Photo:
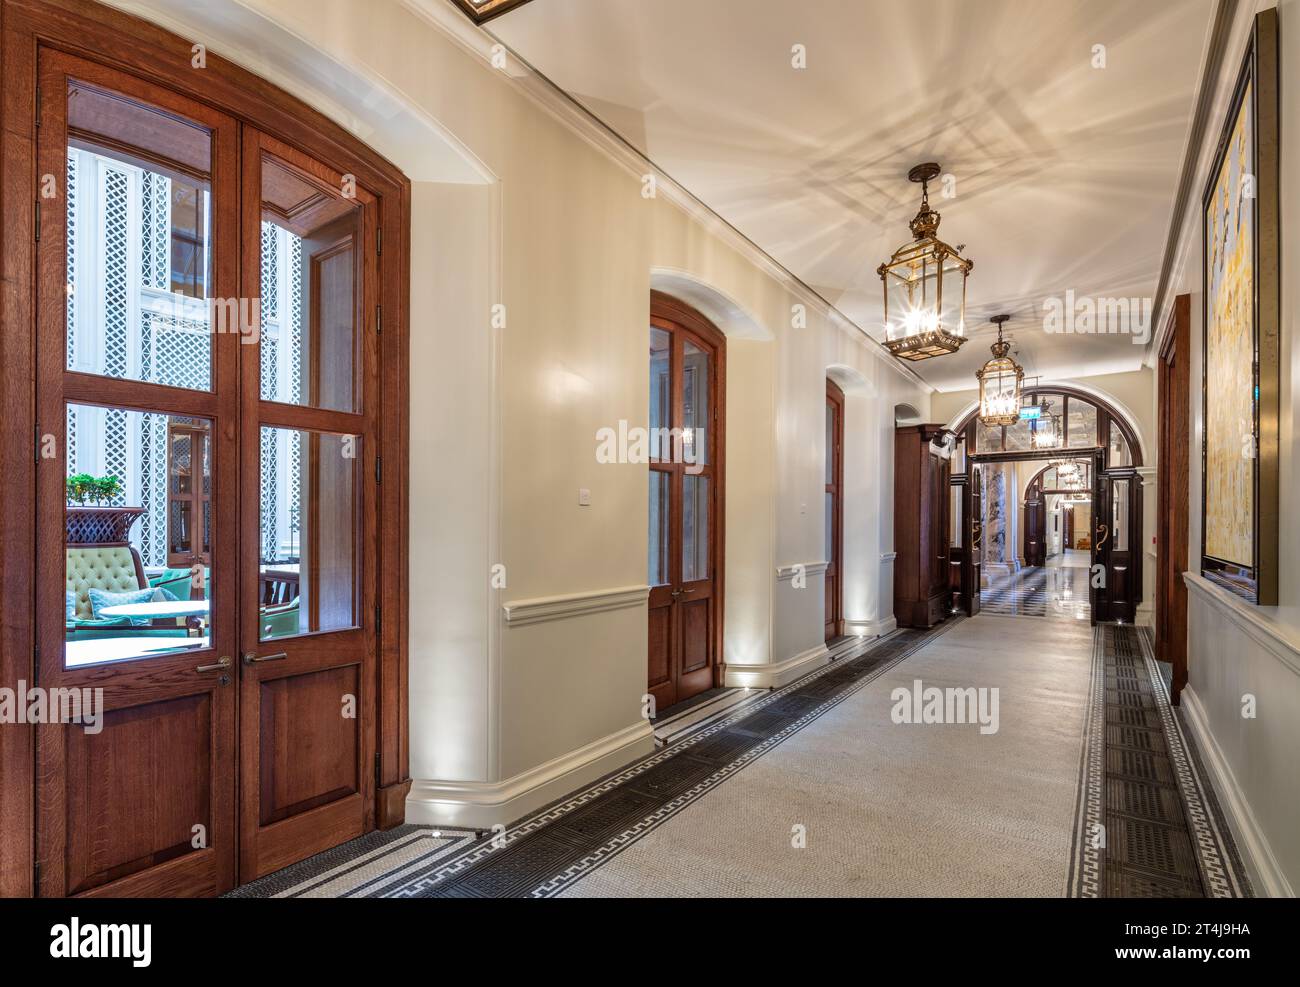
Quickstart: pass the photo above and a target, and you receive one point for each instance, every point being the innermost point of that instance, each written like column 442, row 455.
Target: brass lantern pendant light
column 1047, row 430
column 925, row 286
column 1000, row 380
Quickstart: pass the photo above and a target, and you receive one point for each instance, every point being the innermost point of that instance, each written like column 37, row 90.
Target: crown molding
column 477, row 40
column 1208, row 98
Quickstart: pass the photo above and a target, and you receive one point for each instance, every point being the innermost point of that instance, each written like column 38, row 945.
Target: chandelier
column 925, row 313
column 1047, row 429
column 999, row 382
column 1069, row 476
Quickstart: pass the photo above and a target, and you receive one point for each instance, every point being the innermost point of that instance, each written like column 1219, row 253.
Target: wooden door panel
column 696, row 636
column 660, row 665
column 297, row 837
column 138, row 789
column 309, row 748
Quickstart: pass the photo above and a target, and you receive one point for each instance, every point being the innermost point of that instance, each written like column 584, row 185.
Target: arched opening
column 1027, row 507
column 687, row 419
column 905, row 414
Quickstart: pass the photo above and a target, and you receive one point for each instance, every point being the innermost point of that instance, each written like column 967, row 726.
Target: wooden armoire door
column 1035, row 524
column 684, row 479
column 140, row 798
column 307, row 694
column 834, row 511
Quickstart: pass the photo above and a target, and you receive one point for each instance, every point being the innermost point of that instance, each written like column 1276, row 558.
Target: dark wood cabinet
column 921, row 505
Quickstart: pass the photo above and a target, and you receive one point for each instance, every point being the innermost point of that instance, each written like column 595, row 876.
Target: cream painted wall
column 1236, row 650
column 504, row 421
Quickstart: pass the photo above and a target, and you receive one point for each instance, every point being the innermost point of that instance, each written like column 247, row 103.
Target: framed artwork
column 1241, row 292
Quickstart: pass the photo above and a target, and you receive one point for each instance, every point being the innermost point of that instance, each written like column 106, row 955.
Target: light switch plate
column 584, row 497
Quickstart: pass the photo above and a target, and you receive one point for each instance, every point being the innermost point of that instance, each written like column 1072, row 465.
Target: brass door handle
column 1103, row 533
column 222, row 663
column 250, row 658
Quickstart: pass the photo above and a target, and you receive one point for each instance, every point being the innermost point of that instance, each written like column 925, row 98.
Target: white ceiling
column 1065, row 173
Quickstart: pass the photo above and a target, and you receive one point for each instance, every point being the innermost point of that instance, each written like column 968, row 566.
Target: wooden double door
column 206, row 333
column 687, row 360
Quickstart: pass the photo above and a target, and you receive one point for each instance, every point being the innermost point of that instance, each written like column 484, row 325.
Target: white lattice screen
column 123, row 321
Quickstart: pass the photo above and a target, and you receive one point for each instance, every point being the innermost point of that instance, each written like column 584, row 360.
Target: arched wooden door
column 687, row 370
column 206, row 294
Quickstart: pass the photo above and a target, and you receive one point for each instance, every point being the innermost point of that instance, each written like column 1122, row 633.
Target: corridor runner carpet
column 1148, row 824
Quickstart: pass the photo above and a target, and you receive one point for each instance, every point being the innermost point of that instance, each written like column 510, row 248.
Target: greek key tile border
column 428, row 882
column 1084, row 880
column 1222, row 874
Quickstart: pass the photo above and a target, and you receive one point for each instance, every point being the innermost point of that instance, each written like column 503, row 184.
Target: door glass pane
column 988, row 439
column 1018, row 436
column 661, row 393
column 189, row 491
column 695, row 404
column 310, row 525
column 1119, row 451
column 137, row 534
column 695, row 528
column 1119, row 515
column 659, row 536
column 1083, row 423
column 955, row 518
column 311, row 296
column 830, row 528
column 830, row 443
column 139, row 236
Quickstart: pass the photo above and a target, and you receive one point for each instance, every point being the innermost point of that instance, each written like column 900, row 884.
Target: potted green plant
column 101, row 523
column 79, row 487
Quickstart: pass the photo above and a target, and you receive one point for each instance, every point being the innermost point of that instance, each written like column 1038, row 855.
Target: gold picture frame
column 1241, row 300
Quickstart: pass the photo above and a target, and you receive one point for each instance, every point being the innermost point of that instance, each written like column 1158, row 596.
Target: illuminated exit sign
column 1030, row 412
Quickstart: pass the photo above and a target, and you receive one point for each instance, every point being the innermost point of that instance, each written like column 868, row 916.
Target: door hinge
column 36, row 451
column 378, row 775
column 38, row 107
column 379, row 240
column 378, row 619
column 37, row 216
column 379, row 469
column 36, row 878
column 36, row 664
column 379, row 320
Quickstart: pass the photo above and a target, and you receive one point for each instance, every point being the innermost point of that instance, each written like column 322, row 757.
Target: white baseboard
column 481, row 805
column 776, row 674
column 1265, row 874
column 871, row 628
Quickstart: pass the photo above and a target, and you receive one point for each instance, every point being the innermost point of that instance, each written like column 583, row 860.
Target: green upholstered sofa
column 115, row 569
